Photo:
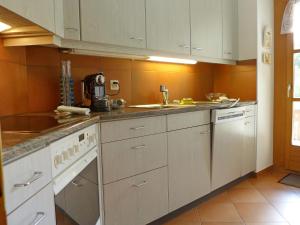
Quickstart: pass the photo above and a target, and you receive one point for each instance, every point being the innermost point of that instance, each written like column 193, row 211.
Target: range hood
column 24, row 32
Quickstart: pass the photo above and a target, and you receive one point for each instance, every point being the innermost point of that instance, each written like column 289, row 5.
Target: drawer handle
column 40, row 216
column 140, row 185
column 198, row 49
column 138, row 147
column 137, row 128
column 137, row 38
column 205, row 132
column 247, row 123
column 35, row 177
column 184, row 46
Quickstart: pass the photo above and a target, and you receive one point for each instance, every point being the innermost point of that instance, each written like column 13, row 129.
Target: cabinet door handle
column 40, row 216
column 136, row 38
column 184, row 46
column 228, row 53
column 71, row 28
column 247, row 123
column 140, row 185
column 137, row 128
column 205, row 132
column 138, row 147
column 198, row 49
column 35, row 177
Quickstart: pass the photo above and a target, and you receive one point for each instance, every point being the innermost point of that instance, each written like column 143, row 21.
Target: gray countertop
column 16, row 146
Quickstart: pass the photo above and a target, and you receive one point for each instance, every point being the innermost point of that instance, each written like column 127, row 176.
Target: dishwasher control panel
column 69, row 149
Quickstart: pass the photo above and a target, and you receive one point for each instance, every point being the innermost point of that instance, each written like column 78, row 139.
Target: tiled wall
column 29, row 78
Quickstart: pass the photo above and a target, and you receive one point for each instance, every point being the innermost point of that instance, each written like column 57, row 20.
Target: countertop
column 18, row 145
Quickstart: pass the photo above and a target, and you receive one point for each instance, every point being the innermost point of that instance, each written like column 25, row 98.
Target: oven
column 76, row 179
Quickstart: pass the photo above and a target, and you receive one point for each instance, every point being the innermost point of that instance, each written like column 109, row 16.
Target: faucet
column 165, row 93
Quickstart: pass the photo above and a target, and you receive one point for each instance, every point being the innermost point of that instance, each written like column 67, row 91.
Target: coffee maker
column 94, row 93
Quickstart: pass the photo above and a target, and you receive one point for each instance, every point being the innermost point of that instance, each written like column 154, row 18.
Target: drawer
column 124, row 129
column 250, row 110
column 189, row 119
column 137, row 200
column 133, row 156
column 25, row 177
column 39, row 210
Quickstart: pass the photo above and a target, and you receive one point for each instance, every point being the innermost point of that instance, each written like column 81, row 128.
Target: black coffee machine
column 94, row 94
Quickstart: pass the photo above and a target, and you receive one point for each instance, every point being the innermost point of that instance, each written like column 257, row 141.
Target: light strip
column 171, row 60
column 4, row 26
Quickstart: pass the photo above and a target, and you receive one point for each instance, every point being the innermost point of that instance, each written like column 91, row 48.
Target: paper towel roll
column 77, row 110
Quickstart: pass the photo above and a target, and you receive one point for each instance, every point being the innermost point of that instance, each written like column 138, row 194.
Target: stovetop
column 34, row 123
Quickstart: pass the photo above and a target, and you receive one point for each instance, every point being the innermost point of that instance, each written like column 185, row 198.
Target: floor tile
column 244, row 184
column 219, row 212
column 258, row 212
column 190, row 217
column 290, row 211
column 220, row 198
column 245, row 195
column 280, row 195
column 282, row 223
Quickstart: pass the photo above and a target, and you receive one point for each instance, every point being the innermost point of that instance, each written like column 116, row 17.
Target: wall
column 13, row 85
column 265, row 90
column 30, row 78
column 236, row 81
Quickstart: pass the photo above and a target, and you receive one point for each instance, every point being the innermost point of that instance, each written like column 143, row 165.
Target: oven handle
column 40, row 216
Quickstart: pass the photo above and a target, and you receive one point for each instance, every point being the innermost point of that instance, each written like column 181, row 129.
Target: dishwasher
column 227, row 145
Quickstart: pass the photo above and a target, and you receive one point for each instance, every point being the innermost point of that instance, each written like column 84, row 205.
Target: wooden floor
column 259, row 200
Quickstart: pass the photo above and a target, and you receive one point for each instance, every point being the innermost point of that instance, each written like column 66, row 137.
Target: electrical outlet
column 114, row 85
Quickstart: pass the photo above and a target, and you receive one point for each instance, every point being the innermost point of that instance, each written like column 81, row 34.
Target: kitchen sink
column 159, row 106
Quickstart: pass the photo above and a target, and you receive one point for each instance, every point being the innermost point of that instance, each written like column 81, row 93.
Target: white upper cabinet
column 247, row 29
column 115, row 22
column 206, row 28
column 71, row 19
column 168, row 26
column 230, row 24
column 40, row 12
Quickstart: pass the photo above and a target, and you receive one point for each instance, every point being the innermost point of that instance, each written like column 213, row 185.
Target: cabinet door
column 189, row 165
column 137, row 200
column 152, row 195
column 249, row 149
column 247, row 29
column 71, row 19
column 116, row 22
column 168, row 25
column 40, row 12
column 37, row 210
column 229, row 29
column 121, row 203
column 206, row 28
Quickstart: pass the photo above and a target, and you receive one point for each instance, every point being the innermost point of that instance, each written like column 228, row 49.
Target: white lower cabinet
column 249, row 148
column 189, row 165
column 37, row 210
column 137, row 200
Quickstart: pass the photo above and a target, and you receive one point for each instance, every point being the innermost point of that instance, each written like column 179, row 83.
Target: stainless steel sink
column 159, row 106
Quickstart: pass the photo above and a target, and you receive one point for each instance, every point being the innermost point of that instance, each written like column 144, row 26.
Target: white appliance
column 227, row 145
column 76, row 180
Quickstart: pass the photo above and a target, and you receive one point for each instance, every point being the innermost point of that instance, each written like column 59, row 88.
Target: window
column 296, row 78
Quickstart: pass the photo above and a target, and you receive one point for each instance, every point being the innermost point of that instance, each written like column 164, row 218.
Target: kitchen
column 167, row 152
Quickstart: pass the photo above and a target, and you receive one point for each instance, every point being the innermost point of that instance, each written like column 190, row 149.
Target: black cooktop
column 34, row 123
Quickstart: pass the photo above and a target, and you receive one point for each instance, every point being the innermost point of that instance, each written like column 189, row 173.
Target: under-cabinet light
column 171, row 60
column 4, row 26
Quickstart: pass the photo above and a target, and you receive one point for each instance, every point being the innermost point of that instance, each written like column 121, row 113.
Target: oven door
column 77, row 201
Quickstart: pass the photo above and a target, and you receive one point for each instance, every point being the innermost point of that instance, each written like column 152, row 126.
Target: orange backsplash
column 29, row 79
